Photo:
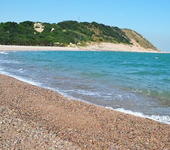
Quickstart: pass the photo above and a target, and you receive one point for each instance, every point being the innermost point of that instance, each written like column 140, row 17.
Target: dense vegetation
column 61, row 34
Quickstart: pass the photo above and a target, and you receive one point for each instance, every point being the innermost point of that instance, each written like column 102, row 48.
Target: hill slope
column 138, row 39
column 67, row 33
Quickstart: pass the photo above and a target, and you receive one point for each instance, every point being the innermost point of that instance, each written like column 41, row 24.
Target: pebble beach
column 32, row 117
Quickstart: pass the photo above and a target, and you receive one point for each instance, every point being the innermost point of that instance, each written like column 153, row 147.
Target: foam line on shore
column 3, row 52
column 162, row 119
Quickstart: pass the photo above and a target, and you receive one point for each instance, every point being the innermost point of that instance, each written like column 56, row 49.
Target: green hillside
column 64, row 33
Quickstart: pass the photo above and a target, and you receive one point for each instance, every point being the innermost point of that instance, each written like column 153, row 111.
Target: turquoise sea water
column 135, row 83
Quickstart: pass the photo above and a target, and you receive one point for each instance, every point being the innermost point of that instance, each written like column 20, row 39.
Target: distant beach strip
column 92, row 47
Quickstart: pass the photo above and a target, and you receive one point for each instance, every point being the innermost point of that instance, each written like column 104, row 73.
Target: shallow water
column 138, row 82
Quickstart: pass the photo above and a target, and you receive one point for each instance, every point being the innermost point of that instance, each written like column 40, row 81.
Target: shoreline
column 93, row 47
column 121, row 110
column 80, row 124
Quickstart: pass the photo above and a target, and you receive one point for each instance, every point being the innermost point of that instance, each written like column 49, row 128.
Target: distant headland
column 72, row 35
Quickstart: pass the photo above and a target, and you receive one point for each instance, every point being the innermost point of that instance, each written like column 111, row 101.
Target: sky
column 150, row 18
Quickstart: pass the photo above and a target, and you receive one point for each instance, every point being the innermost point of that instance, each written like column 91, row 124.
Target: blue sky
column 151, row 18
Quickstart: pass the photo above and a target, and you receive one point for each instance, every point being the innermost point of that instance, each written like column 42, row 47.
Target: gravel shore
column 35, row 118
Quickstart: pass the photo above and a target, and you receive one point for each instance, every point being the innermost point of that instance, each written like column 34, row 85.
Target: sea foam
column 163, row 119
column 5, row 53
column 20, row 78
